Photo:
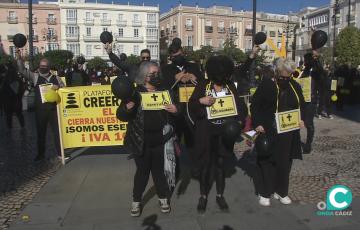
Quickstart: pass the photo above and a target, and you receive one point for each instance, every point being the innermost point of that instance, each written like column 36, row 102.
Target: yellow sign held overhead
column 223, row 107
column 155, row 100
column 288, row 121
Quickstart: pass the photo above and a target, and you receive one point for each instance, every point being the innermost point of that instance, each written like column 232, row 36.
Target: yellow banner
column 87, row 117
column 288, row 121
column 223, row 107
column 155, row 100
column 185, row 93
column 333, row 85
column 305, row 84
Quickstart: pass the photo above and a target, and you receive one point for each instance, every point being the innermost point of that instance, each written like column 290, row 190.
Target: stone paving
column 335, row 159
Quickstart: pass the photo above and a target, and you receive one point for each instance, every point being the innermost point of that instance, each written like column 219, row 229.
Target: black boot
column 220, row 200
column 202, row 204
column 307, row 148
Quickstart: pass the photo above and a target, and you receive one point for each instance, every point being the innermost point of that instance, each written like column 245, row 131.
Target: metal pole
column 30, row 39
column 334, row 35
column 287, row 36
column 349, row 12
column 254, row 23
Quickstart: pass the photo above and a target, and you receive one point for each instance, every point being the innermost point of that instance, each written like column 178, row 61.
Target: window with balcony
column 136, row 20
column 52, row 46
column 51, row 20
column 221, row 43
column 136, row 33
column 105, row 29
column 35, row 50
column 120, row 49
column 74, row 48
column 121, row 32
column 88, row 50
column 12, row 18
column 189, row 24
column 152, row 33
column 221, row 27
column 272, row 33
column 72, row 31
column 88, row 31
column 151, row 18
column 120, row 20
column 88, row 19
column 208, row 42
column 154, row 50
column 51, row 34
column 71, row 16
column 136, row 50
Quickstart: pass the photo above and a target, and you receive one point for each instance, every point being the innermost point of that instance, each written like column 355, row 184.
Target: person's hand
column 17, row 53
column 302, row 124
column 256, row 49
column 108, row 48
column 180, row 75
column 260, row 129
column 208, row 101
column 130, row 105
column 191, row 77
column 171, row 108
column 315, row 54
column 55, row 87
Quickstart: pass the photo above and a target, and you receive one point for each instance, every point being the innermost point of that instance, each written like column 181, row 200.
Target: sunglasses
column 145, row 58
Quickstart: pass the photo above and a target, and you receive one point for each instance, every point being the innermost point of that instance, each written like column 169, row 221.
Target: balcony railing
column 12, row 20
column 35, row 38
column 71, row 21
column 248, row 32
column 89, row 21
column 105, row 22
column 152, row 38
column 189, row 27
column 34, row 20
column 162, row 33
column 10, row 38
column 89, row 38
column 72, row 37
column 51, row 21
column 129, row 39
column 208, row 29
column 221, row 30
column 51, row 38
column 121, row 23
column 174, row 29
column 233, row 30
column 151, row 24
column 136, row 23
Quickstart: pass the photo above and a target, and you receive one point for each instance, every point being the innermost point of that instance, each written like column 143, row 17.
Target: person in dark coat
column 77, row 77
column 181, row 73
column 279, row 94
column 211, row 148
column 144, row 138
column 128, row 68
column 13, row 91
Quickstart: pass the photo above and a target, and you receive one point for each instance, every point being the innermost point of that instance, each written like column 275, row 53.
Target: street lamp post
column 336, row 8
column 31, row 51
column 254, row 23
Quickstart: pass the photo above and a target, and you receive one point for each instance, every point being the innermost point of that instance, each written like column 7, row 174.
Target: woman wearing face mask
column 45, row 113
column 144, row 139
column 271, row 97
column 211, row 148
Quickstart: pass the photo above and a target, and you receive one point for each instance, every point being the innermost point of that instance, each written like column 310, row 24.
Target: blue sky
column 271, row 6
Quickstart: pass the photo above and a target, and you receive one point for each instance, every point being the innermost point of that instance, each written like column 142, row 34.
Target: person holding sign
column 277, row 109
column 45, row 112
column 212, row 105
column 148, row 111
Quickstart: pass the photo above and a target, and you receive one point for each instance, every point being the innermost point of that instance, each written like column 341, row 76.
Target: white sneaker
column 264, row 201
column 164, row 205
column 283, row 200
column 135, row 209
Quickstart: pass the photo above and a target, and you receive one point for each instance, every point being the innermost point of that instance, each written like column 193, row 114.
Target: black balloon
column 318, row 39
column 260, row 38
column 231, row 130
column 80, row 60
column 122, row 88
column 19, row 40
column 177, row 42
column 262, row 145
column 106, row 37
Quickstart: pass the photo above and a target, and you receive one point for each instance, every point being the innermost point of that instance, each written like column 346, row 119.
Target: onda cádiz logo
column 338, row 200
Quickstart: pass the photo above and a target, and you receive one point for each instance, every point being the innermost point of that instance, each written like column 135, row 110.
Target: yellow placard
column 155, row 100
column 305, row 84
column 87, row 117
column 185, row 93
column 223, row 107
column 288, row 121
column 333, row 85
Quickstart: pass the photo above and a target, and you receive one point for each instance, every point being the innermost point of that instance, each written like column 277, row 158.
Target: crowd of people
column 153, row 135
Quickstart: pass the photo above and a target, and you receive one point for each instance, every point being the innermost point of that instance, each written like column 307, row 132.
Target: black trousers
column 275, row 171
column 310, row 111
column 217, row 158
column 152, row 161
column 11, row 107
column 183, row 129
column 43, row 119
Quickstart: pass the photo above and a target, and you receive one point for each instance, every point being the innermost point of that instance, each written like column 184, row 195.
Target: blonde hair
column 285, row 64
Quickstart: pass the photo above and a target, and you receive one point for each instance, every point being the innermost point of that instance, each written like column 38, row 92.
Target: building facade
column 198, row 27
column 46, row 26
column 133, row 27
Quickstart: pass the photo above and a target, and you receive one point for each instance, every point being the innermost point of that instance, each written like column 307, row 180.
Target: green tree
column 348, row 46
column 59, row 59
column 97, row 63
column 133, row 59
column 231, row 50
column 6, row 59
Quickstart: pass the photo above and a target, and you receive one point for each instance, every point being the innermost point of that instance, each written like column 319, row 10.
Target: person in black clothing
column 130, row 69
column 144, row 139
column 313, row 68
column 181, row 74
column 277, row 95
column 13, row 91
column 45, row 113
column 77, row 77
column 211, row 148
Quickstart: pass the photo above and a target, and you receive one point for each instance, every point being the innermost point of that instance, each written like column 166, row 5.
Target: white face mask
column 98, row 74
